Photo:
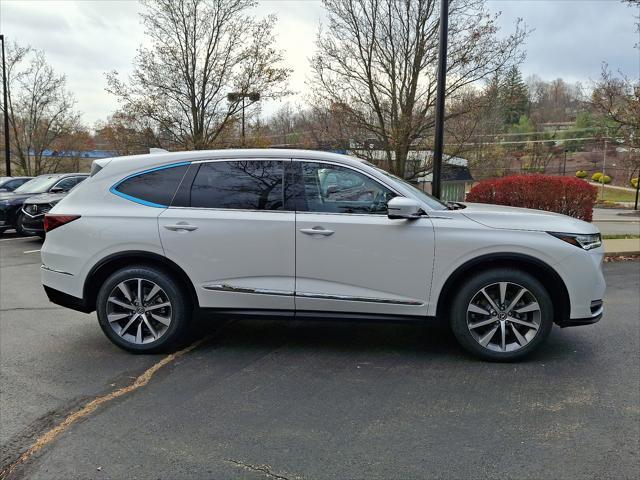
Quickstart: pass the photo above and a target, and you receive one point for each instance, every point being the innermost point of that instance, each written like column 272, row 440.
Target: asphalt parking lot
column 315, row 400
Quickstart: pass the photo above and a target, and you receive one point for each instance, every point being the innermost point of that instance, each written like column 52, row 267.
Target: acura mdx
column 147, row 240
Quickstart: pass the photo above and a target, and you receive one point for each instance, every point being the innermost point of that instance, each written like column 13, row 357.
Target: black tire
column 19, row 227
column 468, row 291
column 181, row 309
column 42, row 235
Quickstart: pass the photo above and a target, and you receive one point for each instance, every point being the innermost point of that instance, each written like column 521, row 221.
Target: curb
column 622, row 254
column 633, row 220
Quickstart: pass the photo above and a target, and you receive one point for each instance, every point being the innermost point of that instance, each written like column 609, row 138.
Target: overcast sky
column 84, row 39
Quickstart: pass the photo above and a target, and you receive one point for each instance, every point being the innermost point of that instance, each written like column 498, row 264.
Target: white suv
column 148, row 239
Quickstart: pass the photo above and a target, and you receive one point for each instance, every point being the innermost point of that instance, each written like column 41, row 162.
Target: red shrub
column 567, row 195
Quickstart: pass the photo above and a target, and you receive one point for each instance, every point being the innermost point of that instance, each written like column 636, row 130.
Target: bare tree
column 616, row 99
column 41, row 111
column 128, row 134
column 378, row 60
column 200, row 50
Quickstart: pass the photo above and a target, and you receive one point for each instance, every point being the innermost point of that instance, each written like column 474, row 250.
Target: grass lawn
column 616, row 195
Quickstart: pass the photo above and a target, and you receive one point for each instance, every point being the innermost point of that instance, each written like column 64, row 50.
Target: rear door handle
column 181, row 226
column 317, row 231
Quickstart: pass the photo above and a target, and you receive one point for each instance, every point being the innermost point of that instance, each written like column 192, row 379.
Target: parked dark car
column 11, row 202
column 31, row 219
column 9, row 184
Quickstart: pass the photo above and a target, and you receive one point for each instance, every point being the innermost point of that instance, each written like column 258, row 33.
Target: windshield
column 39, row 184
column 433, row 202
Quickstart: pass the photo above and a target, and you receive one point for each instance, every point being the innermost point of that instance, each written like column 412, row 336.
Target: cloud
column 85, row 39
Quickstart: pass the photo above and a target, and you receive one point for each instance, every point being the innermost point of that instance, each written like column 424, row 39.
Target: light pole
column 235, row 96
column 604, row 166
column 635, row 206
column 7, row 150
column 438, row 142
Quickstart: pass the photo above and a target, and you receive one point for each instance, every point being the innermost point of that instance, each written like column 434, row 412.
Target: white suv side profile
column 149, row 239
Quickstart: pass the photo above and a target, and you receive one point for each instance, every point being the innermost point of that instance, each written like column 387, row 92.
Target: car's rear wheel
column 502, row 314
column 143, row 310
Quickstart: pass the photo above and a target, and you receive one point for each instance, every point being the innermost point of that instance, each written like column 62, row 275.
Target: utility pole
column 5, row 109
column 441, row 84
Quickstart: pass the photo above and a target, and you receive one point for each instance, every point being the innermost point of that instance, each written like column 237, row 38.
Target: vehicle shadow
column 428, row 340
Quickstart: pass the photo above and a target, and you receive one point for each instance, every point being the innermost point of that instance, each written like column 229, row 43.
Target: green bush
column 581, row 174
column 596, row 176
column 605, row 179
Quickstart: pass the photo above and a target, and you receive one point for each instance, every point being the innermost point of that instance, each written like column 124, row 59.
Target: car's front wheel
column 502, row 314
column 20, row 225
column 143, row 310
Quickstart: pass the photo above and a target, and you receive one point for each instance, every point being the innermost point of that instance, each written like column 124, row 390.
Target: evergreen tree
column 514, row 96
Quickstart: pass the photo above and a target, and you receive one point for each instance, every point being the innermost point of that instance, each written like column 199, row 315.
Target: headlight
column 586, row 242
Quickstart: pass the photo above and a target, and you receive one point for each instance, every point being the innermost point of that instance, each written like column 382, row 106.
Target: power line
column 475, row 144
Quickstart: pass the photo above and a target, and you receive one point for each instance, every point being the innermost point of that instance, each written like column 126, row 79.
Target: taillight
column 51, row 220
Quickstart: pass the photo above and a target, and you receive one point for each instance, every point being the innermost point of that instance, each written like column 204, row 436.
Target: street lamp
column 7, row 151
column 233, row 97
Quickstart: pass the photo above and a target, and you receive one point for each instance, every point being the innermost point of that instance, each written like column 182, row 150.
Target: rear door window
column 154, row 188
column 239, row 185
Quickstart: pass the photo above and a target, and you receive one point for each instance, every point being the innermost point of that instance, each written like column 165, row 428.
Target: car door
column 350, row 257
column 228, row 229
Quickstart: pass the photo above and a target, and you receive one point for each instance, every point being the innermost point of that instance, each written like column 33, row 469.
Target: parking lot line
column 17, row 238
column 91, row 406
column 32, row 251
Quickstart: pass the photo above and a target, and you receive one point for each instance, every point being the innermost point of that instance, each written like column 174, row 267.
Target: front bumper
column 32, row 223
column 597, row 309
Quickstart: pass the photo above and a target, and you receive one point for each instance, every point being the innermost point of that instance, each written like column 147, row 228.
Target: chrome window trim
column 294, row 159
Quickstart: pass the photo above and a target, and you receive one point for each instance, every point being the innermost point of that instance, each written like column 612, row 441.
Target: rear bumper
column 66, row 300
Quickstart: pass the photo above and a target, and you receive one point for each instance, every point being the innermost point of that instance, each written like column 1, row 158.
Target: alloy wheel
column 139, row 311
column 503, row 317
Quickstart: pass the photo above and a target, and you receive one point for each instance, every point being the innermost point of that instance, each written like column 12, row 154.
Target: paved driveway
column 314, row 400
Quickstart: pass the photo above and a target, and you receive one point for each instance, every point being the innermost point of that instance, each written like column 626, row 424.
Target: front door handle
column 181, row 226
column 317, row 231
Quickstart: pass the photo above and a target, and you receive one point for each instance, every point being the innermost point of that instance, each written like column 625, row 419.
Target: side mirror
column 402, row 207
column 57, row 190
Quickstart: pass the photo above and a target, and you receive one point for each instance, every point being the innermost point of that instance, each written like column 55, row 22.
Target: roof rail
column 158, row 150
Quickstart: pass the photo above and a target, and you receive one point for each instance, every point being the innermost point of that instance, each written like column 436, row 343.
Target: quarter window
column 246, row 185
column 334, row 189
column 155, row 187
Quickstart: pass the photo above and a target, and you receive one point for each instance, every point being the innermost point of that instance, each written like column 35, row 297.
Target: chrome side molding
column 224, row 287
column 49, row 269
column 351, row 298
